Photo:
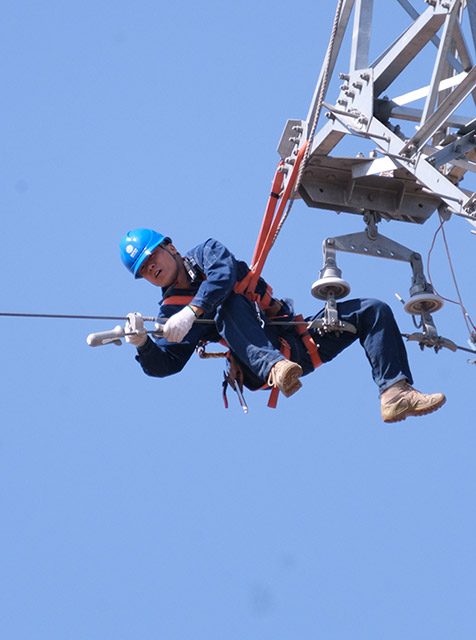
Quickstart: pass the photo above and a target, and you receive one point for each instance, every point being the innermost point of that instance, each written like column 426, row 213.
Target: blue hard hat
column 137, row 245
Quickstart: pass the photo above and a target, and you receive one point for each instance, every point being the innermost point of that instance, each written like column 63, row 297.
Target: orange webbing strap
column 273, row 396
column 265, row 243
column 264, row 301
column 308, row 342
column 183, row 300
column 269, row 211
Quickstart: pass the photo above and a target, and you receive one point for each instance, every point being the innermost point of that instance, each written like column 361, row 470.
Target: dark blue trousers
column 257, row 347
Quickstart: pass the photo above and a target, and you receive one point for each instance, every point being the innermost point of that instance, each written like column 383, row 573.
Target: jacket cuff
column 147, row 347
column 199, row 302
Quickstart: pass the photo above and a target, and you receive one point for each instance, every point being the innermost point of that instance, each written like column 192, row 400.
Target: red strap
column 223, row 393
column 308, row 342
column 269, row 211
column 269, row 226
column 242, row 285
column 273, row 396
column 264, row 301
column 265, row 241
column 183, row 300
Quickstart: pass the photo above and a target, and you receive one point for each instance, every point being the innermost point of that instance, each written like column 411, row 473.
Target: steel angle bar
column 467, row 165
column 471, row 6
column 460, row 41
column 413, row 13
column 470, row 126
column 462, row 47
column 373, row 168
column 437, row 184
column 327, row 138
column 444, row 110
column 453, row 150
column 341, row 29
column 430, row 192
column 359, row 55
column 422, row 92
column 405, row 48
column 440, row 62
column 425, row 174
column 414, row 115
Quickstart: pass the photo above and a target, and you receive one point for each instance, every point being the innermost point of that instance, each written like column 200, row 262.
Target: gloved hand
column 178, row 325
column 135, row 327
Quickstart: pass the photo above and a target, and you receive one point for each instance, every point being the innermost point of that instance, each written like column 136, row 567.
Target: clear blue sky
column 135, row 508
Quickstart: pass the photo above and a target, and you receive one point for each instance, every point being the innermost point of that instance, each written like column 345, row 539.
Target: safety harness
column 265, row 302
column 256, row 289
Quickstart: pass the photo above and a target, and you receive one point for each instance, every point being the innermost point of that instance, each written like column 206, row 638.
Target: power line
column 61, row 316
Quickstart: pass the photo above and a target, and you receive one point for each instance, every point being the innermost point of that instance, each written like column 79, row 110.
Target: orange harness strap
column 269, row 228
column 273, row 396
column 308, row 343
column 264, row 301
column 269, row 211
column 286, row 351
column 178, row 300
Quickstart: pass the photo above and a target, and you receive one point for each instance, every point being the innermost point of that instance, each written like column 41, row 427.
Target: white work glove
column 135, row 327
column 178, row 325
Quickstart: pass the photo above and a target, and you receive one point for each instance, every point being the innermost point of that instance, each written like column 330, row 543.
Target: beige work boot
column 285, row 375
column 401, row 400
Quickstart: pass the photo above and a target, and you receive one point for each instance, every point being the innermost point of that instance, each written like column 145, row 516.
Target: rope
column 469, row 323
column 320, row 100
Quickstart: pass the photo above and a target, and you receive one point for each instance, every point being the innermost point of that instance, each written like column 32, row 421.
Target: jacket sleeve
column 161, row 358
column 220, row 268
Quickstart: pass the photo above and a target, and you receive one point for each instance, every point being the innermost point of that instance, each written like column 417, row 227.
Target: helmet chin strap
column 177, row 265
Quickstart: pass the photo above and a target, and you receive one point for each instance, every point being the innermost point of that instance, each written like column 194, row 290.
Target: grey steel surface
column 359, row 57
column 423, row 168
column 398, row 174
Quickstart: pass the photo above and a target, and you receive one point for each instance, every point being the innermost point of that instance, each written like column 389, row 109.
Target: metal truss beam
column 404, row 176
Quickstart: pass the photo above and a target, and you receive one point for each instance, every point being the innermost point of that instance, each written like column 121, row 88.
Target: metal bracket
column 422, row 300
column 432, row 341
column 371, row 243
column 291, row 141
column 330, row 322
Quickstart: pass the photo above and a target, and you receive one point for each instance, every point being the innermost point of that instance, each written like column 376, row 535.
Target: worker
column 207, row 283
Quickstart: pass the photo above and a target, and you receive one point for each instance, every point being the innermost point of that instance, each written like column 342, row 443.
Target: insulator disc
column 339, row 287
column 420, row 302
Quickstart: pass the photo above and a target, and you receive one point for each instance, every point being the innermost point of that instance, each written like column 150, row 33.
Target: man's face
column 160, row 268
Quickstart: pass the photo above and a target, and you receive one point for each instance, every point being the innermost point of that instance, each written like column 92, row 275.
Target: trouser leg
column 237, row 322
column 379, row 335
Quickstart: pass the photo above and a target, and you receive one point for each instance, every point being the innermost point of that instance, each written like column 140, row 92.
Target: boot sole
column 292, row 387
column 422, row 412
